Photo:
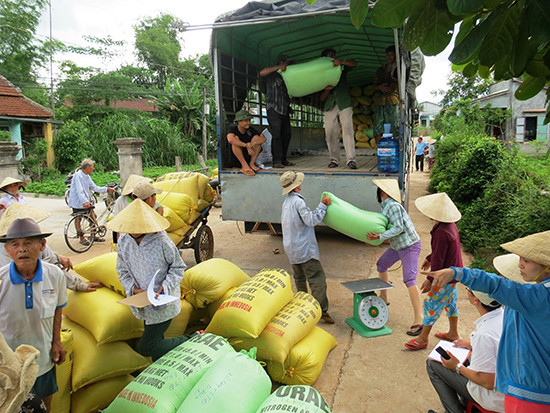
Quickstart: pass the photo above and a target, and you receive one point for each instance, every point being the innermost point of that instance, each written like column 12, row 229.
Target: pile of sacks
column 184, row 196
column 361, row 98
column 205, row 374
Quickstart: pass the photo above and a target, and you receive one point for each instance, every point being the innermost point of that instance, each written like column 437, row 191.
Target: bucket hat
column 508, row 266
column 138, row 218
column 290, row 180
column 132, row 181
column 8, row 181
column 144, row 190
column 242, row 114
column 390, row 187
column 16, row 211
column 533, row 247
column 438, row 207
column 23, row 228
column 485, row 299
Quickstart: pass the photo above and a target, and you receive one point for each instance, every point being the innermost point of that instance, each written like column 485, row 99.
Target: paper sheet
column 460, row 353
column 162, row 299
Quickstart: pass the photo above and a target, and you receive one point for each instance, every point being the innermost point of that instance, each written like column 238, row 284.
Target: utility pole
column 52, row 100
column 205, row 111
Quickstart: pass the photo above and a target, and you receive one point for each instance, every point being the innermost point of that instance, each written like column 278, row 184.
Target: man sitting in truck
column 246, row 143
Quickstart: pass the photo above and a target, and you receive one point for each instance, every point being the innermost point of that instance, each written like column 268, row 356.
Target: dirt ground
column 360, row 374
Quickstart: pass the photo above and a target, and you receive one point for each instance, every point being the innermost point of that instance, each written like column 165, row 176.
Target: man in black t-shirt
column 246, row 143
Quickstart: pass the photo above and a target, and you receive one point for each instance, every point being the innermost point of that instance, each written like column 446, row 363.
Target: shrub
column 71, row 144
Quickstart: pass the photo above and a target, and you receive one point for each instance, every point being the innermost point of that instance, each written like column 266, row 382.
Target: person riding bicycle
column 79, row 196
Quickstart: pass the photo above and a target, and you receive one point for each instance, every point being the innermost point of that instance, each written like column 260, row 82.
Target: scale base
column 365, row 331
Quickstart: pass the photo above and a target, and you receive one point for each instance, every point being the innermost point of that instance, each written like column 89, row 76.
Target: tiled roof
column 13, row 103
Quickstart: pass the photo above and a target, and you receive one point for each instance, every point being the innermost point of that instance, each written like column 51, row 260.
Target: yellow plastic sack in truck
column 101, row 269
column 174, row 219
column 305, row 361
column 288, row 327
column 206, row 282
column 252, row 305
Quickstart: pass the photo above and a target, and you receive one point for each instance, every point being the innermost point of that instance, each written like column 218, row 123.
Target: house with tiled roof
column 24, row 118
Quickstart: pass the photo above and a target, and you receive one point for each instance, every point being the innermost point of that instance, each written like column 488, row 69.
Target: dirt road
column 374, row 375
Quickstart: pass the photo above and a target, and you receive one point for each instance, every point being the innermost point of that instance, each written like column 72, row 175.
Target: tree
column 460, row 87
column 505, row 38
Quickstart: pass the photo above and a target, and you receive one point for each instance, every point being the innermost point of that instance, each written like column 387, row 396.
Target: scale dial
column 373, row 312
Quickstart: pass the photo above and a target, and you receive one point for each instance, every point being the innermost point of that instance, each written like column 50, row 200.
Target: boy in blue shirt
column 419, row 148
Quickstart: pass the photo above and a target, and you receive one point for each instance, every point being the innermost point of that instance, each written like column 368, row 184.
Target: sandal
column 415, row 330
column 248, row 172
column 443, row 336
column 333, row 165
column 415, row 345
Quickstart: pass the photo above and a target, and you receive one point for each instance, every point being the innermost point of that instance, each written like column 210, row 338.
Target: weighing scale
column 370, row 312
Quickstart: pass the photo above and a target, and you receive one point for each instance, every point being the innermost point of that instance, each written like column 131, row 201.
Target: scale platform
column 370, row 312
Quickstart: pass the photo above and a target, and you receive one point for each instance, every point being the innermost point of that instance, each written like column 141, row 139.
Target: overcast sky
column 72, row 19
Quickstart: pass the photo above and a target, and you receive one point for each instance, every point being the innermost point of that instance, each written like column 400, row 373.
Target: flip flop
column 443, row 336
column 415, row 330
column 415, row 345
column 248, row 172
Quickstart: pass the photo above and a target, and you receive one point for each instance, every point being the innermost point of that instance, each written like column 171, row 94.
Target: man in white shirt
column 32, row 295
column 455, row 383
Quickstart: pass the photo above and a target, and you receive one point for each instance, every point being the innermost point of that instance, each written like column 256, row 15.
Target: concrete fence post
column 129, row 157
column 8, row 160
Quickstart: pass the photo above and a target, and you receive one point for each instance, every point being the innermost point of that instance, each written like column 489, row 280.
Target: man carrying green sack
column 298, row 222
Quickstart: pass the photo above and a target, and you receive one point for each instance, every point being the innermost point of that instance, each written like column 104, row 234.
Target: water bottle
column 388, row 152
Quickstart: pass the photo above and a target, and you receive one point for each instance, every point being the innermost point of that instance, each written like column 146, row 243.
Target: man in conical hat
column 10, row 188
column 523, row 360
column 445, row 243
column 404, row 246
column 142, row 249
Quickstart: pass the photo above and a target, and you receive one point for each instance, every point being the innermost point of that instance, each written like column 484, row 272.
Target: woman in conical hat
column 144, row 249
column 445, row 244
column 523, row 362
column 10, row 187
column 404, row 246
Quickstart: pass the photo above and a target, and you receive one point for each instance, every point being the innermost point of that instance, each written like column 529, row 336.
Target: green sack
column 236, row 383
column 352, row 221
column 295, row 399
column 305, row 78
column 163, row 385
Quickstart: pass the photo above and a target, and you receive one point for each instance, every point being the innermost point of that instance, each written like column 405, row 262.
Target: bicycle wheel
column 72, row 236
column 67, row 196
column 204, row 244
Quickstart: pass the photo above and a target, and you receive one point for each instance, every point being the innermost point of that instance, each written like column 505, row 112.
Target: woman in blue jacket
column 523, row 361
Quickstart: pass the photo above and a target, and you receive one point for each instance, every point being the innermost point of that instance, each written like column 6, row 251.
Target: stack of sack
column 263, row 313
column 184, row 195
column 361, row 98
column 205, row 374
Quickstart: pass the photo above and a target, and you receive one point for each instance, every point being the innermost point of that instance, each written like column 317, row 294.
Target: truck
column 248, row 39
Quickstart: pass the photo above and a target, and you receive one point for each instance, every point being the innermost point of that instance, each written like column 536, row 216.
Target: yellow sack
column 213, row 306
column 101, row 314
column 176, row 238
column 356, row 120
column 253, row 305
column 357, row 110
column 305, row 361
column 208, row 281
column 356, row 91
column 288, row 327
column 354, row 101
column 360, row 144
column 179, row 323
column 365, row 100
column 203, row 204
column 182, row 204
column 99, row 395
column 194, row 216
column 61, row 401
column 362, row 127
column 203, row 180
column 93, row 362
column 174, row 219
column 188, row 186
column 101, row 269
column 361, row 137
column 369, row 90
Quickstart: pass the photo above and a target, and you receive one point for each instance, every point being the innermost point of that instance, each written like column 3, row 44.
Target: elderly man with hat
column 457, row 384
column 298, row 222
column 523, row 362
column 11, row 186
column 404, row 246
column 246, row 143
column 277, row 102
column 32, row 294
column 445, row 243
column 144, row 249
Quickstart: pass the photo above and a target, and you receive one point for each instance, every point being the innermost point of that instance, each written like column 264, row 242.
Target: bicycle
column 90, row 228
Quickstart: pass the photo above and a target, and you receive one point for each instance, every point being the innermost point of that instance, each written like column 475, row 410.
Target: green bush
column 5, row 136
column 71, row 144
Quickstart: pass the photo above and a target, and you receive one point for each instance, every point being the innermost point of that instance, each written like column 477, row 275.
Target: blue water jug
column 388, row 152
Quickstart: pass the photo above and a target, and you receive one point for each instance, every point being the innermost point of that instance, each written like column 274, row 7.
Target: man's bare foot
column 254, row 167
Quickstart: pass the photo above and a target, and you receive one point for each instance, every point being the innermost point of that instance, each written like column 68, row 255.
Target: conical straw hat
column 438, row 207
column 390, row 187
column 131, row 183
column 16, row 211
column 532, row 247
column 8, row 181
column 138, row 218
column 508, row 266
